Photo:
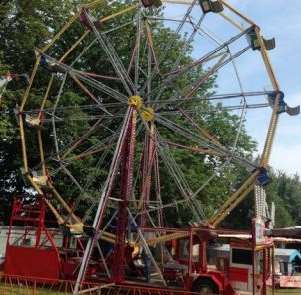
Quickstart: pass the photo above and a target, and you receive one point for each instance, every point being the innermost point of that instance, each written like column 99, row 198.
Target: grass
column 287, row 291
column 23, row 290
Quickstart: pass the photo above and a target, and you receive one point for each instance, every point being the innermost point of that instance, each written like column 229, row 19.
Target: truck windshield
column 242, row 256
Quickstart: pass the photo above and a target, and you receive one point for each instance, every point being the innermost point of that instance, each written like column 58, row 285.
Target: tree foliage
column 26, row 25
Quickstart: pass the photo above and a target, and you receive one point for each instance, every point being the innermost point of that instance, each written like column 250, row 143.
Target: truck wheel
column 204, row 286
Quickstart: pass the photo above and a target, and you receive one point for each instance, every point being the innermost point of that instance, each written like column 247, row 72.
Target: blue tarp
column 287, row 255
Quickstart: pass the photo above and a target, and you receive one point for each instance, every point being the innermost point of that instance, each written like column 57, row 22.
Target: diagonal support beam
column 235, row 199
column 102, row 205
column 126, row 183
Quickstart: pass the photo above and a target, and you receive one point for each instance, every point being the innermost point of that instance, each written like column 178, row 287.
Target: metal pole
column 264, row 271
column 103, row 200
column 127, row 166
column 273, row 270
column 146, row 248
column 190, row 253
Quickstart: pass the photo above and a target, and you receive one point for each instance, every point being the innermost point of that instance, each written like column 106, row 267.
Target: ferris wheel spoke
column 82, row 107
column 104, row 88
column 174, row 112
column 215, row 97
column 239, row 95
column 83, row 193
column 190, row 38
column 168, row 19
column 170, row 80
column 198, row 150
column 137, row 46
column 71, row 146
column 243, row 104
column 56, row 145
column 135, row 182
column 196, row 27
column 79, row 75
column 208, row 56
column 201, row 130
column 176, row 203
column 208, row 181
column 89, row 152
column 91, row 95
column 70, row 160
column 187, row 201
column 184, row 47
column 175, row 74
column 185, row 17
column 103, row 77
column 102, row 142
column 94, row 201
column 78, row 141
column 192, row 90
column 181, row 130
column 219, row 52
column 170, row 44
column 179, row 27
column 114, row 58
column 94, row 41
column 158, row 188
column 178, row 176
column 203, row 141
column 212, row 138
column 67, row 147
column 222, row 62
column 152, row 53
column 84, row 118
column 217, row 109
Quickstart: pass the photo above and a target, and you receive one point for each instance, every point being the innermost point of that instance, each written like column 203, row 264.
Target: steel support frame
column 271, row 129
column 147, row 165
column 106, row 192
column 127, row 166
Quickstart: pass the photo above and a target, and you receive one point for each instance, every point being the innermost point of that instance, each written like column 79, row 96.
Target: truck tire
column 204, row 286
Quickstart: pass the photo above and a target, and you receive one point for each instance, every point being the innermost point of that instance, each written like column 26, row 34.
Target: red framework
column 33, row 246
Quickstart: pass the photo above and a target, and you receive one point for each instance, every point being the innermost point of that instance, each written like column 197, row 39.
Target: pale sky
column 280, row 19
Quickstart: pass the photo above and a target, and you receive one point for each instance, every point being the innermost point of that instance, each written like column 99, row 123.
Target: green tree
column 28, row 25
column 285, row 192
column 24, row 26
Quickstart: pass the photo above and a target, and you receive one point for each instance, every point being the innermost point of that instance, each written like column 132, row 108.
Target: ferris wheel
column 127, row 133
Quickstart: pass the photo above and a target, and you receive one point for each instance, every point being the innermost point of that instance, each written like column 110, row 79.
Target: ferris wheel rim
column 124, row 101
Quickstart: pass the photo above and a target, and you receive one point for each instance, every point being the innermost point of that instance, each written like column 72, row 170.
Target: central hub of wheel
column 147, row 113
column 135, row 101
